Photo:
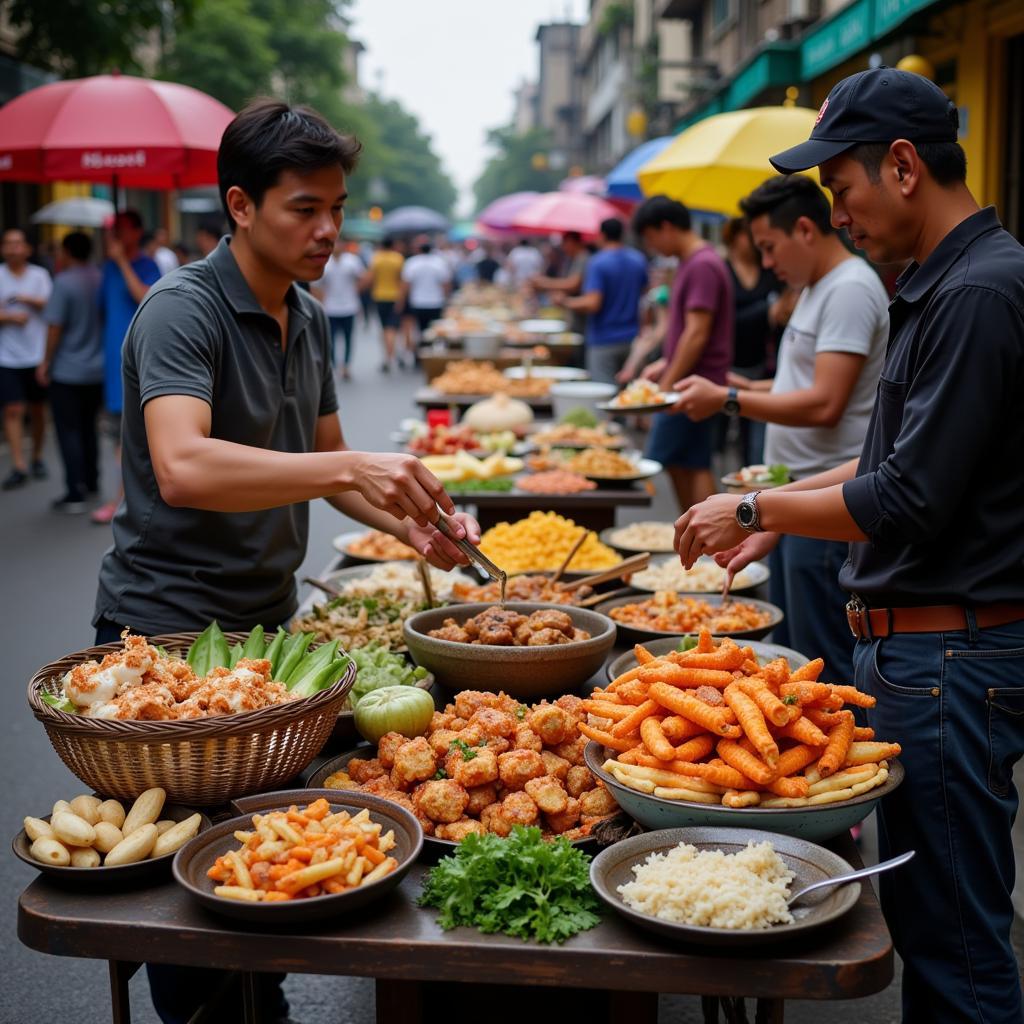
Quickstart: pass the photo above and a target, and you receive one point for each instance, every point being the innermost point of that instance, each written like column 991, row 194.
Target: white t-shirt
column 166, row 259
column 524, row 262
column 426, row 274
column 23, row 345
column 846, row 311
column 340, row 284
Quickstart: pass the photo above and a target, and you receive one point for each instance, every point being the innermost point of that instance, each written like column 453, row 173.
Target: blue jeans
column 955, row 703
column 805, row 585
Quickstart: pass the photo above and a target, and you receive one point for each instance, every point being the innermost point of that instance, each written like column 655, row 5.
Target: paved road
column 48, row 586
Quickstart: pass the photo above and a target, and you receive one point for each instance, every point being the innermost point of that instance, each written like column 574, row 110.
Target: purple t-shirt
column 703, row 282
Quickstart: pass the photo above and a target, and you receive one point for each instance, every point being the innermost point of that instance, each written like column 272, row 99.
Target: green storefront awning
column 837, row 39
column 890, row 13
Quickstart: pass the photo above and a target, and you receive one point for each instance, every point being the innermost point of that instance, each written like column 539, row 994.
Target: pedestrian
column 523, row 262
column 613, row 287
column 487, row 266
column 386, row 291
column 24, row 289
column 231, row 428
column 72, row 369
column 163, row 255
column 425, row 283
column 762, row 308
column 338, row 290
column 698, row 339
column 569, row 281
column 818, row 406
column 934, row 511
column 128, row 274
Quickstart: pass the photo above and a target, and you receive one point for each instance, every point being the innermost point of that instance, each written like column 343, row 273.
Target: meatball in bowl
column 522, row 648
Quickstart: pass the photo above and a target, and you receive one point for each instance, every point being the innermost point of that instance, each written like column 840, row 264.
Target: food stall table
column 594, row 510
column 434, row 362
column 430, row 398
column 402, row 947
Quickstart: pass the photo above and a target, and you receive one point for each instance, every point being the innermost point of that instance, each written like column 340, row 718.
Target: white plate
column 645, row 469
column 543, row 326
column 757, row 573
column 547, row 373
column 668, row 400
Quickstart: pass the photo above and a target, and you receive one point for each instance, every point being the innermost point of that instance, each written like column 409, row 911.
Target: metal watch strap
column 749, row 500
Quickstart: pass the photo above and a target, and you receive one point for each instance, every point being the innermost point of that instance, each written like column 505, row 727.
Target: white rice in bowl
column 744, row 890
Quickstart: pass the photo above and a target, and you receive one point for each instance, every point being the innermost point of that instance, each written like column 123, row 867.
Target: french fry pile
column 295, row 854
column 710, row 725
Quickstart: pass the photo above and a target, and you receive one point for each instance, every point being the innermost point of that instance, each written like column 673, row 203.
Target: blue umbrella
column 412, row 220
column 622, row 182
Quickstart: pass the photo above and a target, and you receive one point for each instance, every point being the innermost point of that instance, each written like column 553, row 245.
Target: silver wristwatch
column 747, row 514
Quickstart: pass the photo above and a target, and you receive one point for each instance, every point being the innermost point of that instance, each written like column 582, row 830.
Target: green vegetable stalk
column 327, row 676
column 273, row 652
column 310, row 664
column 234, row 654
column 60, row 703
column 523, row 886
column 209, row 651
column 255, row 645
column 294, row 648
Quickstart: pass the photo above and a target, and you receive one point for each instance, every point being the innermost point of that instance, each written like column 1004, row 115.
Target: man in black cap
column 934, row 511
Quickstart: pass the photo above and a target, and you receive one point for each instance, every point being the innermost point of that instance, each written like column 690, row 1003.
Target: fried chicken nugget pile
column 488, row 763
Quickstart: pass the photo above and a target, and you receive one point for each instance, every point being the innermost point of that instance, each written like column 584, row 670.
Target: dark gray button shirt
column 939, row 489
column 200, row 332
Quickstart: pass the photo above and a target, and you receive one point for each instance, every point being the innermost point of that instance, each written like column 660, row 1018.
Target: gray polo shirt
column 200, row 331
column 72, row 306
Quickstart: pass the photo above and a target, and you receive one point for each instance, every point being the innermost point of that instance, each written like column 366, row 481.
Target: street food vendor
column 934, row 511
column 231, row 424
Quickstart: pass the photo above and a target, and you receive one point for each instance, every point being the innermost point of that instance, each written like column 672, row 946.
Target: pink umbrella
column 558, row 212
column 499, row 214
column 134, row 131
column 589, row 184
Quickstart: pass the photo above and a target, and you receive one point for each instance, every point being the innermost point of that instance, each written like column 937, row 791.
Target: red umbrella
column 558, row 212
column 591, row 184
column 131, row 131
column 499, row 214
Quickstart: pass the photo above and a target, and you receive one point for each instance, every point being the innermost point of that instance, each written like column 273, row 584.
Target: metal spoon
column 885, row 865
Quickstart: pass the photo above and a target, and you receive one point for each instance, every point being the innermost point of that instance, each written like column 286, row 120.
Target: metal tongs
column 471, row 551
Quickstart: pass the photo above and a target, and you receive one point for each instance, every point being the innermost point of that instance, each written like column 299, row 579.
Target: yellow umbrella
column 717, row 161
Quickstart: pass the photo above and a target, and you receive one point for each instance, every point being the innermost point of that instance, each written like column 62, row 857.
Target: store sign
column 889, row 13
column 838, row 39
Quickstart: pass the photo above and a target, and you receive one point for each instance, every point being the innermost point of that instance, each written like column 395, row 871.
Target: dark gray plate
column 765, row 653
column 124, row 873
column 639, row 635
column 194, row 859
column 808, row 862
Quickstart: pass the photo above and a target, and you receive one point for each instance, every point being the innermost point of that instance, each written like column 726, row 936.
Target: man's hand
column 699, row 397
column 653, row 371
column 401, row 486
column 114, row 249
column 626, row 374
column 437, row 549
column 43, row 375
column 708, row 528
column 737, row 380
column 753, row 549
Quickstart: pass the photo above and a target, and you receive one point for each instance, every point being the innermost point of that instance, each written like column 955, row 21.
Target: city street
column 48, row 583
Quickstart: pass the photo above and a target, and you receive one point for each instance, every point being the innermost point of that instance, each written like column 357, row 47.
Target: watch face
column 731, row 407
column 745, row 513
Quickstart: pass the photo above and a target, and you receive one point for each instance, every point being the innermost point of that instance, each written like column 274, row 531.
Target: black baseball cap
column 879, row 105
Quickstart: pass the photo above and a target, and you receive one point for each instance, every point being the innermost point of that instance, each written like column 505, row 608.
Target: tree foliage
column 89, row 37
column 400, row 156
column 511, row 167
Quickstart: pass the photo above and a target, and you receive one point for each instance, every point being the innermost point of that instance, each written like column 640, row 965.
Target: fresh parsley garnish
column 521, row 712
column 522, row 886
column 791, row 699
column 440, row 774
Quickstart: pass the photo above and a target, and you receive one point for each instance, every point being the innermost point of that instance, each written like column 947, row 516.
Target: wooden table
column 594, row 510
column 401, row 946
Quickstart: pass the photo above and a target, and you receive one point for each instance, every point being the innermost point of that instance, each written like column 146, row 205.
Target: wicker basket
column 200, row 762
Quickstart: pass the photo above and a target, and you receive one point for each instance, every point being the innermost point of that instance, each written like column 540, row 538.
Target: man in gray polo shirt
column 231, row 426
